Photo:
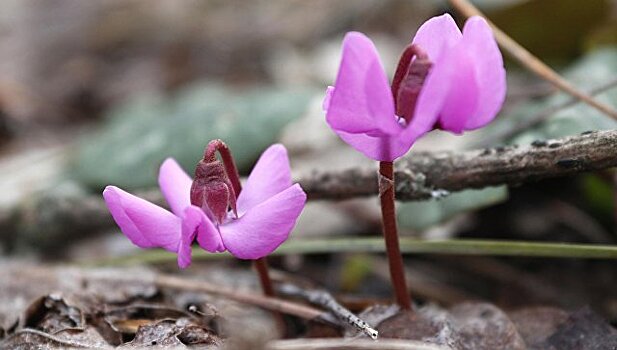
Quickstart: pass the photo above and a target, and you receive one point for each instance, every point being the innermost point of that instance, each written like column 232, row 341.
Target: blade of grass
column 408, row 245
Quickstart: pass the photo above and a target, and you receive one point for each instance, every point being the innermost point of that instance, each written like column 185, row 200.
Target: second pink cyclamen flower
column 461, row 88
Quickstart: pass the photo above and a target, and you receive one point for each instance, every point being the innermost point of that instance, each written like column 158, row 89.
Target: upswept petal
column 380, row 148
column 362, row 101
column 263, row 228
column 196, row 224
column 147, row 225
column 175, row 185
column 490, row 74
column 190, row 222
column 437, row 34
column 462, row 94
column 384, row 148
column 270, row 176
column 432, row 96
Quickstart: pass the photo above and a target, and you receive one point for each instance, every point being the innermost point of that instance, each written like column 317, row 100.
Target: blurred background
column 101, row 92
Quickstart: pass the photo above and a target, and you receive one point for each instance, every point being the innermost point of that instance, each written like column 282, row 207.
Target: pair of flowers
column 446, row 79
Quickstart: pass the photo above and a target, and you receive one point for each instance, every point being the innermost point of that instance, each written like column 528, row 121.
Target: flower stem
column 228, row 162
column 388, row 217
column 261, row 264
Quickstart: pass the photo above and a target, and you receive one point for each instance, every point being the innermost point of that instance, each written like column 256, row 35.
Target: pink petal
column 450, row 93
column 196, row 223
column 462, row 95
column 437, row 34
column 380, row 148
column 175, row 185
column 270, row 176
column 432, row 96
column 208, row 237
column 490, row 75
column 362, row 101
column 147, row 225
column 190, row 222
column 263, row 228
column 384, row 148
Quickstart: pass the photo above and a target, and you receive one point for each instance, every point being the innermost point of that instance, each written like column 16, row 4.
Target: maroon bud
column 212, row 191
column 409, row 79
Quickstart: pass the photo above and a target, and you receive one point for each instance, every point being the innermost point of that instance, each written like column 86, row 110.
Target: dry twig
column 269, row 303
column 531, row 62
column 418, row 176
column 327, row 301
column 427, row 175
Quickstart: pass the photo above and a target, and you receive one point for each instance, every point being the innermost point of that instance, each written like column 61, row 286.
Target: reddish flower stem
column 261, row 264
column 388, row 217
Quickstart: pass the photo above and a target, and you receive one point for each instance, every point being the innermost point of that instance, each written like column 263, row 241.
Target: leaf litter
column 125, row 309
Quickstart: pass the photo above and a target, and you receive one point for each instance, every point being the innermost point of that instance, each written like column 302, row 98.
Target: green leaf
column 599, row 195
column 422, row 215
column 142, row 133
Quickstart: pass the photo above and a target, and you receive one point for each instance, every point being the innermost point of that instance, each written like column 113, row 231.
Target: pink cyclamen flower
column 446, row 79
column 267, row 210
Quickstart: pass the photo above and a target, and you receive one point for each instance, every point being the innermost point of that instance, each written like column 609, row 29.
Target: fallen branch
column 428, row 175
column 327, row 301
column 257, row 299
column 419, row 176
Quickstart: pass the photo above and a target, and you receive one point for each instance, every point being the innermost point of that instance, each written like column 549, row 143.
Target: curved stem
column 261, row 265
column 388, row 217
column 228, row 162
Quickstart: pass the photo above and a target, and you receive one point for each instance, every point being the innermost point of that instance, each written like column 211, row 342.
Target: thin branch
column 418, row 176
column 269, row 303
column 327, row 301
column 531, row 62
column 429, row 175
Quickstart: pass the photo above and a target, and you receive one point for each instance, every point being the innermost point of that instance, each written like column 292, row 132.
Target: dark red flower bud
column 409, row 79
column 212, row 189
